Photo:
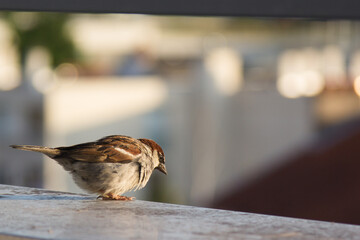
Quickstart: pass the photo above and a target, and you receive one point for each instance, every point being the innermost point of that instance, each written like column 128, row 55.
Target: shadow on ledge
column 46, row 197
column 8, row 192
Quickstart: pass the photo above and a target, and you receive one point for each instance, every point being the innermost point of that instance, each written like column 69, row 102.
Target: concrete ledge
column 28, row 213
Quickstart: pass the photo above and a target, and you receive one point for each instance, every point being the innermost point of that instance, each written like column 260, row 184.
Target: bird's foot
column 116, row 197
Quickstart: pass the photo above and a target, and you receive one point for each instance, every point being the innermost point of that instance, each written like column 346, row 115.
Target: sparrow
column 109, row 166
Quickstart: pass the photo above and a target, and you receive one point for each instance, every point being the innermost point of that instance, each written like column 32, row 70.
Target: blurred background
column 256, row 115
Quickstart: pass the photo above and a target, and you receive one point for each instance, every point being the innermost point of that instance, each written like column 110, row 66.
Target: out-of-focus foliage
column 42, row 29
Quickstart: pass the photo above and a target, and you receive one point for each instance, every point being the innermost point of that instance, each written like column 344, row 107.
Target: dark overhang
column 320, row 9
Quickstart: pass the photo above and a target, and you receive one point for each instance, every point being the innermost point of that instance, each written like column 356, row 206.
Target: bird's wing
column 121, row 149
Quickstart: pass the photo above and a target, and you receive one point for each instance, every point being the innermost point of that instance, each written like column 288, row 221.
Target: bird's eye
column 161, row 159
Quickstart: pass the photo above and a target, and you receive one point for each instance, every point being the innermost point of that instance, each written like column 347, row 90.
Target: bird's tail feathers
column 51, row 152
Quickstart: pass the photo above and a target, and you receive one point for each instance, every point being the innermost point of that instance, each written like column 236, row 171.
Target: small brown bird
column 109, row 166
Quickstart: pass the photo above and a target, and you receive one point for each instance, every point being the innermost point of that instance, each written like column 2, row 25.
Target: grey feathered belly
column 105, row 178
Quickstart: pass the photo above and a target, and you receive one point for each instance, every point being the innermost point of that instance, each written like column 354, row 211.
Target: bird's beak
column 162, row 168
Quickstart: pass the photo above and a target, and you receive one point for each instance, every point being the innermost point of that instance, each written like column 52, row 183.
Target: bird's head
column 158, row 154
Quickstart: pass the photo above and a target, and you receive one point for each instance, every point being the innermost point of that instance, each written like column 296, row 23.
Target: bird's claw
column 116, row 197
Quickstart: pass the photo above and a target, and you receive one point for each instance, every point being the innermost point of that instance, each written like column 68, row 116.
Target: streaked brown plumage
column 109, row 166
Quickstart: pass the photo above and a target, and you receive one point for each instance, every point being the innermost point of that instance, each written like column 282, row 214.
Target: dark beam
column 321, row 9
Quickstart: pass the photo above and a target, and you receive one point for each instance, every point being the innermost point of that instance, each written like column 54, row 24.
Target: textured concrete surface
column 40, row 214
